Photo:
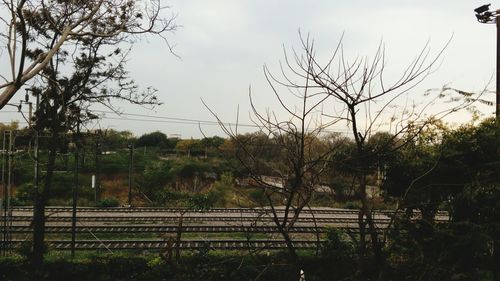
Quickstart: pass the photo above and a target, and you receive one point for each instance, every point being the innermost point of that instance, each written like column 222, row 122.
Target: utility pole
column 130, row 171
column 75, row 188
column 9, row 191
column 5, row 195
column 4, row 199
column 96, row 164
column 6, row 183
column 37, row 160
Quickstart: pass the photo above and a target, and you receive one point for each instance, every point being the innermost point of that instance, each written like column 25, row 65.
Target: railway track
column 314, row 210
column 128, row 223
column 181, row 210
column 218, row 244
column 174, row 229
column 176, row 219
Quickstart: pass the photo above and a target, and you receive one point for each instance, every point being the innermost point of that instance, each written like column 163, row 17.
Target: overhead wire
column 167, row 120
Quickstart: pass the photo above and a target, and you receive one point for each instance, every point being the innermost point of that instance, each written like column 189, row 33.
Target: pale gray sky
column 223, row 45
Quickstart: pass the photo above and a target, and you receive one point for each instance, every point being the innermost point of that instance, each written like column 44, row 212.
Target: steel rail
column 216, row 244
column 190, row 219
column 315, row 210
column 179, row 210
column 174, row 229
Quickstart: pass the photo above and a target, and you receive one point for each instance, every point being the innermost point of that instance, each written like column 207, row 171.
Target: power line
column 170, row 120
column 164, row 119
column 177, row 120
column 174, row 120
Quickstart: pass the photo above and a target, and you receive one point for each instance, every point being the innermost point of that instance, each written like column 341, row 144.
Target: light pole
column 484, row 15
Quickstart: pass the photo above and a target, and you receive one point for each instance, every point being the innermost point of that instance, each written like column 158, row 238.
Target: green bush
column 24, row 195
column 258, row 196
column 203, row 201
column 351, row 205
column 337, row 246
column 108, row 202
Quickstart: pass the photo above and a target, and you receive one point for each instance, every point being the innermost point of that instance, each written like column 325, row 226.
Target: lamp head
column 482, row 18
column 482, row 9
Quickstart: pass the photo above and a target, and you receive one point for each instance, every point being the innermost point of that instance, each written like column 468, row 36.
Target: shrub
column 258, row 196
column 108, row 202
column 337, row 246
column 202, row 201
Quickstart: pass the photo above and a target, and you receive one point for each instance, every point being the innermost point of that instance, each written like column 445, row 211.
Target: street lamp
column 484, row 15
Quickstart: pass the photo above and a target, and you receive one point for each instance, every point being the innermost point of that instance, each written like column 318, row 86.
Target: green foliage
column 341, row 187
column 204, row 250
column 212, row 142
column 155, row 139
column 158, row 261
column 155, row 176
column 202, row 201
column 209, row 266
column 338, row 246
column 258, row 195
column 431, row 173
column 114, row 163
column 107, row 202
column 167, row 197
column 113, row 140
column 351, row 205
column 191, row 147
column 24, row 195
column 222, row 189
column 459, row 172
column 190, row 168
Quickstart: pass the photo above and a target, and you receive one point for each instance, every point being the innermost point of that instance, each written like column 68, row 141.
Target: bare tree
column 69, row 23
column 300, row 159
column 359, row 95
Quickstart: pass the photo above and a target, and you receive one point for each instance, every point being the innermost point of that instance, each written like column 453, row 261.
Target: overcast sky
column 223, row 44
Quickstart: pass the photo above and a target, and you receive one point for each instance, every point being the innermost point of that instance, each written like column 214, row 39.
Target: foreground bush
column 195, row 267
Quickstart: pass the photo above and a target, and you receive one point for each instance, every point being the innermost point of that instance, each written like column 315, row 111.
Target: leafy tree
column 189, row 147
column 458, row 170
column 38, row 30
column 96, row 66
column 188, row 174
column 212, row 142
column 155, row 176
column 112, row 139
column 155, row 139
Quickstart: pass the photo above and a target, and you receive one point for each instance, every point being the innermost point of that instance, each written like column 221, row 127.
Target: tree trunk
column 282, row 226
column 496, row 260
column 39, row 209
column 372, row 232
column 362, row 240
column 289, row 243
column 178, row 239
